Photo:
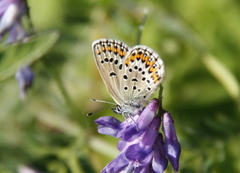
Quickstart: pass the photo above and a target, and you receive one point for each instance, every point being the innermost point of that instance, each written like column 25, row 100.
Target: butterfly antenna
column 98, row 110
column 102, row 101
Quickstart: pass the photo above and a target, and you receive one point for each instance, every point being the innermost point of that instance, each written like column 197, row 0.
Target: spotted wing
column 109, row 56
column 142, row 73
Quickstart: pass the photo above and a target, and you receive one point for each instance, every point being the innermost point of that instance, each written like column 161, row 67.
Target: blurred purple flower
column 141, row 145
column 25, row 78
column 11, row 14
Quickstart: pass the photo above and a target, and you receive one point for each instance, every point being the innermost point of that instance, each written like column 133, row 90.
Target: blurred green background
column 199, row 41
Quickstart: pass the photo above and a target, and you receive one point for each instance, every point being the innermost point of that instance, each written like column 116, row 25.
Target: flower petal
column 150, row 136
column 129, row 133
column 108, row 125
column 17, row 32
column 121, row 145
column 9, row 17
column 137, row 155
column 142, row 169
column 25, row 78
column 108, row 122
column 160, row 162
column 147, row 114
column 107, row 131
column 172, row 146
column 117, row 165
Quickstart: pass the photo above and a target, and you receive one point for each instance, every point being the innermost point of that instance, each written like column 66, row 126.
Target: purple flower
column 142, row 148
column 172, row 146
column 25, row 78
column 11, row 14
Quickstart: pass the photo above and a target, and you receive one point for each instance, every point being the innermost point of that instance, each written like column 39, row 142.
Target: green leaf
column 223, row 74
column 14, row 56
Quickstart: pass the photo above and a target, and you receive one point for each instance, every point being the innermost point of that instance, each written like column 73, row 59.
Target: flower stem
column 160, row 97
column 74, row 111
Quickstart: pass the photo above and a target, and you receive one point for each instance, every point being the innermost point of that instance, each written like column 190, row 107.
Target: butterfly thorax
column 128, row 110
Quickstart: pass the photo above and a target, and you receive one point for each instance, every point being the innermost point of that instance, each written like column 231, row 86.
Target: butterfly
column 131, row 75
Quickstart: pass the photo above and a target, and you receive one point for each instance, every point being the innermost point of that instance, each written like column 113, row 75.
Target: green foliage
column 18, row 54
column 49, row 130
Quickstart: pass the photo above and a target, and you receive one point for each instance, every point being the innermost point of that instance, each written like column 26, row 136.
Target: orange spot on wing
column 122, row 53
column 116, row 50
column 150, row 63
column 98, row 52
column 144, row 58
column 155, row 77
column 139, row 56
column 109, row 48
column 131, row 58
column 151, row 69
column 127, row 61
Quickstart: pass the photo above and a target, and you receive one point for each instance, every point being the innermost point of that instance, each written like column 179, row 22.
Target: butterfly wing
column 131, row 75
column 143, row 71
column 109, row 56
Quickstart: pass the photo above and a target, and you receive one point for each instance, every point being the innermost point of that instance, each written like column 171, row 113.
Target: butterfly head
column 128, row 110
